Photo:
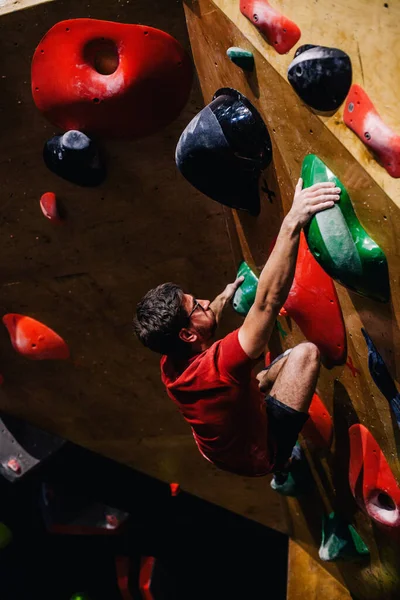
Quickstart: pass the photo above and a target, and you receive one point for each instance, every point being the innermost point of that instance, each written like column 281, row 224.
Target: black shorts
column 284, row 426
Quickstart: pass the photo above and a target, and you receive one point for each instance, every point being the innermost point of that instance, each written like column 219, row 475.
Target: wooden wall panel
column 297, row 131
column 143, row 226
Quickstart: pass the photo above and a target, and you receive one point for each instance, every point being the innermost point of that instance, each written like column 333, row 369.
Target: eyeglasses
column 195, row 305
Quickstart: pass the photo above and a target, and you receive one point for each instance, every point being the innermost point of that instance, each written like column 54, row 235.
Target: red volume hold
column 280, row 31
column 112, row 79
column 35, row 340
column 48, row 204
column 314, row 305
column 360, row 116
column 318, row 430
column 372, row 482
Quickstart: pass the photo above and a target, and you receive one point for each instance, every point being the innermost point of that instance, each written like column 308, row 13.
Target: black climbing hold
column 381, row 376
column 321, row 76
column 224, row 149
column 75, row 157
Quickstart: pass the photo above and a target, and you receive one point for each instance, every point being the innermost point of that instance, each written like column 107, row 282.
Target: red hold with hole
column 35, row 340
column 361, row 116
column 111, row 79
column 372, row 482
column 281, row 33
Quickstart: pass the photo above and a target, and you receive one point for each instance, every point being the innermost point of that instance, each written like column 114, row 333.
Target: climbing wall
column 82, row 277
column 356, row 471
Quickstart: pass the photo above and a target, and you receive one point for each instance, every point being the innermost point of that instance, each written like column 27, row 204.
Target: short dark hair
column 159, row 318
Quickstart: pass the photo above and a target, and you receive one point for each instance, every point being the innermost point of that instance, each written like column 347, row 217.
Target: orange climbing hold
column 314, row 305
column 48, row 204
column 361, row 116
column 35, row 340
column 318, row 430
column 372, row 482
column 280, row 31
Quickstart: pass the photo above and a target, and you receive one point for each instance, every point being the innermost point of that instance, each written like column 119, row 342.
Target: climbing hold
column 313, row 303
column 318, row 429
column 74, row 157
column 224, row 149
column 112, row 79
column 361, row 116
column 381, row 376
column 280, row 329
column 340, row 541
column 34, row 340
column 340, row 244
column 80, row 596
column 175, row 489
column 242, row 58
column 6, row 536
column 245, row 295
column 280, row 31
column 298, row 480
column 371, row 480
column 321, row 76
column 48, row 204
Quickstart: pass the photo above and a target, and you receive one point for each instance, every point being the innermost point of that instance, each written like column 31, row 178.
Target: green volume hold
column 245, row 295
column 339, row 242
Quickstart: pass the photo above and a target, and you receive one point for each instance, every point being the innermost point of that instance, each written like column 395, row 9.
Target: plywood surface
column 368, row 31
column 143, row 226
column 295, row 132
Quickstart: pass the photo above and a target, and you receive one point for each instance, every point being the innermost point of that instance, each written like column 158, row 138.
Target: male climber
column 241, row 423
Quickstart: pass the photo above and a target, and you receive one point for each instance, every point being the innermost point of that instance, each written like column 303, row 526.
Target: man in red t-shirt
column 241, row 423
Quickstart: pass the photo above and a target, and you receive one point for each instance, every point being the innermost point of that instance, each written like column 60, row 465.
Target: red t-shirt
column 219, row 397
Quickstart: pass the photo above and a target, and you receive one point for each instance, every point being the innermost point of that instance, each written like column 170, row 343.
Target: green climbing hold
column 340, row 541
column 245, row 295
column 339, row 242
column 242, row 58
column 6, row 536
column 280, row 329
column 298, row 480
column 79, row 597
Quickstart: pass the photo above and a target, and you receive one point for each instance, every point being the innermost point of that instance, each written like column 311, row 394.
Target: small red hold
column 371, row 480
column 318, row 430
column 35, row 340
column 175, row 489
column 361, row 116
column 281, row 33
column 14, row 466
column 48, row 204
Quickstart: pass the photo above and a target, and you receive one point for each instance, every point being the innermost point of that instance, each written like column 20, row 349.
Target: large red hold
column 34, row 340
column 372, row 482
column 280, row 31
column 111, row 79
column 314, row 305
column 318, row 430
column 361, row 116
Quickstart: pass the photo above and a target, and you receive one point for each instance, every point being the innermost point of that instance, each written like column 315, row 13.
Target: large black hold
column 224, row 149
column 321, row 76
column 75, row 157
